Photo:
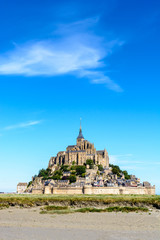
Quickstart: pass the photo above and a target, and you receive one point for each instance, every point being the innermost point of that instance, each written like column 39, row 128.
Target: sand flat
column 24, row 224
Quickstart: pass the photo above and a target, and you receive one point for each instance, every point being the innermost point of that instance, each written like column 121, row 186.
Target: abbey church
column 79, row 153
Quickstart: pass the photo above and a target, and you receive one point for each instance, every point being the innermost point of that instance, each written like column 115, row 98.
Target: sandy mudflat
column 25, row 224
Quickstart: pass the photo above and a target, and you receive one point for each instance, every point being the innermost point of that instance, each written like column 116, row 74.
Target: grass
column 67, row 210
column 113, row 209
column 3, row 205
column 50, row 208
column 25, row 200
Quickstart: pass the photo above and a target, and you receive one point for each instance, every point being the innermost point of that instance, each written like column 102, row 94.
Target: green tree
column 64, row 168
column 90, row 163
column 83, row 174
column 126, row 175
column 100, row 167
column 73, row 167
column 80, row 170
column 29, row 184
column 118, row 171
column 45, row 173
column 57, row 175
column 72, row 178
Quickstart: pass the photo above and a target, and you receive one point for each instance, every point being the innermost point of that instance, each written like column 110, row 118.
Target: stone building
column 79, row 153
column 21, row 187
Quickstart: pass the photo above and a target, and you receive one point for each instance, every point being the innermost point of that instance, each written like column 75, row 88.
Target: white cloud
column 129, row 160
column 120, row 158
column 22, row 125
column 73, row 49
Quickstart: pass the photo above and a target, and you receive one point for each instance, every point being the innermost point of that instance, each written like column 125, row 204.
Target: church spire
column 80, row 125
column 80, row 131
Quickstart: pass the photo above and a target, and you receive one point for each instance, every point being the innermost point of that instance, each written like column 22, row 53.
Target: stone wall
column 100, row 190
column 120, row 190
column 63, row 190
column 37, row 191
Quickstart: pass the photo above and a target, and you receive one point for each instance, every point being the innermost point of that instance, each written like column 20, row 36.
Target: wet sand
column 25, row 224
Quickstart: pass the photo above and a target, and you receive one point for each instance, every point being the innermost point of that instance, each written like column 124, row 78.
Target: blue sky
column 62, row 60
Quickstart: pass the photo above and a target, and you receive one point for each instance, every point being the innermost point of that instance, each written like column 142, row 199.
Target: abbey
column 79, row 153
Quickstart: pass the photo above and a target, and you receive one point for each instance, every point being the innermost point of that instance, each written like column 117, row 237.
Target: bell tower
column 80, row 137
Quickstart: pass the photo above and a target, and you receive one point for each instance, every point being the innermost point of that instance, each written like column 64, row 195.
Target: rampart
column 100, row 190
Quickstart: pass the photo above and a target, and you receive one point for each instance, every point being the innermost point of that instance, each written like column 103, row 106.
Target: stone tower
column 80, row 138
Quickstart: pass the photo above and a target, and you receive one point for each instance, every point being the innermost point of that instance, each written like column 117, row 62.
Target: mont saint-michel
column 81, row 169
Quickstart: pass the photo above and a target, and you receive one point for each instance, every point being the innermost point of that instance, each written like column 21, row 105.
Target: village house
column 21, row 187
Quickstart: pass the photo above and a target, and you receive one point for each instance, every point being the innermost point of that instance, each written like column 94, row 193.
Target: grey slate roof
column 80, row 134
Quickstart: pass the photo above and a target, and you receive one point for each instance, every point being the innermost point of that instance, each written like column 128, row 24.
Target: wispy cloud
column 128, row 159
column 21, row 125
column 73, row 49
column 115, row 159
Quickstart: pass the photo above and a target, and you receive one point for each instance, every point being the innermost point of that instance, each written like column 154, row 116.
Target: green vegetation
column 66, row 210
column 26, row 200
column 113, row 209
column 126, row 175
column 64, row 168
column 3, row 205
column 80, row 170
column 90, row 163
column 76, row 170
column 100, row 167
column 116, row 170
column 29, row 183
column 83, row 174
column 73, row 167
column 72, row 178
column 57, row 175
column 50, row 208
column 44, row 173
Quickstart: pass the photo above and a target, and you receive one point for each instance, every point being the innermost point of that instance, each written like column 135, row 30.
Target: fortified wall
column 99, row 190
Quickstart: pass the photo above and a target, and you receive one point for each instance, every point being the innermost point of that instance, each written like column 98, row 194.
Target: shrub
column 57, row 175
column 64, row 168
column 29, row 184
column 44, row 173
column 83, row 174
column 90, row 163
column 73, row 167
column 118, row 171
column 126, row 175
column 80, row 170
column 72, row 178
column 100, row 167
column 58, row 172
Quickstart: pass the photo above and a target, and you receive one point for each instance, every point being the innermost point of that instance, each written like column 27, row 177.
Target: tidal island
column 81, row 169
